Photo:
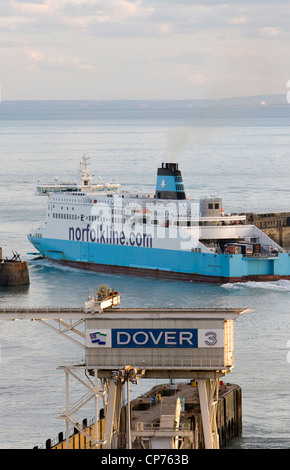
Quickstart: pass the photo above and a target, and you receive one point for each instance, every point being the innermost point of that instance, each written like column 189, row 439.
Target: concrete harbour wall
column 275, row 225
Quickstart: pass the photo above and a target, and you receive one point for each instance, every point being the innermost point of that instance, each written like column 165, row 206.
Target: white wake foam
column 282, row 285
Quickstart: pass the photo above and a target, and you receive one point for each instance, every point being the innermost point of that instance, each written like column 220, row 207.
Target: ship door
column 85, row 251
column 166, row 223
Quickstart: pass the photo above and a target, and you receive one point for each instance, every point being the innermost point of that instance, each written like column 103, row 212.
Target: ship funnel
column 169, row 183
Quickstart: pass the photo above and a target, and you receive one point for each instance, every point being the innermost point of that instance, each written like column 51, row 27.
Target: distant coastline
column 266, row 105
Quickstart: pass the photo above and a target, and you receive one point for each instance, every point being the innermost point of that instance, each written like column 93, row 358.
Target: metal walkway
column 57, row 313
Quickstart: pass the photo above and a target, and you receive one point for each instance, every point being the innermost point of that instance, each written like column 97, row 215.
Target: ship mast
column 86, row 178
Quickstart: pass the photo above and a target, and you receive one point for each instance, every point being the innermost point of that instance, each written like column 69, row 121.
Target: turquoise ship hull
column 173, row 264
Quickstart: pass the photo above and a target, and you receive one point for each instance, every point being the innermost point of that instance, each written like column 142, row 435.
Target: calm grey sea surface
column 241, row 155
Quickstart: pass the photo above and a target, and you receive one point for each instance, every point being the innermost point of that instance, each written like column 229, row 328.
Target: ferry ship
column 85, row 183
column 162, row 235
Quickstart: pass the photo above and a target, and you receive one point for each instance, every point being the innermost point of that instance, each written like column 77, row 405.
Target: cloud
column 141, row 18
column 198, row 78
column 171, row 48
column 270, row 32
column 79, row 22
column 14, row 23
column 33, row 9
column 79, row 13
column 36, row 58
column 122, row 8
column 146, row 17
column 165, row 28
column 240, row 20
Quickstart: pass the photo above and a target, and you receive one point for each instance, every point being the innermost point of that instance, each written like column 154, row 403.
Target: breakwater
column 13, row 272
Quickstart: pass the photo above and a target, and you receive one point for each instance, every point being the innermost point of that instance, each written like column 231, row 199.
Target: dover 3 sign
column 154, row 338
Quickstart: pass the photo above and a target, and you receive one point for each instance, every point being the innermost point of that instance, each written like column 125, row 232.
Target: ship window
column 210, row 206
column 216, row 206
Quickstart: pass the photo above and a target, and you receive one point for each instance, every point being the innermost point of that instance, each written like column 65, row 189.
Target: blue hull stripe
column 204, row 264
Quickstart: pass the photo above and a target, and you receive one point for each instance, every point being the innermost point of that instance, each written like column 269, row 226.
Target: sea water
column 240, row 155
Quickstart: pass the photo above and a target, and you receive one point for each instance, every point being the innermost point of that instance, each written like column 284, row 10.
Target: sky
column 143, row 49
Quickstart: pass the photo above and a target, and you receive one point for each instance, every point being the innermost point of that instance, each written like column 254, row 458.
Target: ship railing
column 261, row 255
column 200, row 363
column 143, row 427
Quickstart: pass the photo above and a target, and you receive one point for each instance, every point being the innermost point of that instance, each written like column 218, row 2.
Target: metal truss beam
column 70, row 410
column 208, row 398
column 65, row 328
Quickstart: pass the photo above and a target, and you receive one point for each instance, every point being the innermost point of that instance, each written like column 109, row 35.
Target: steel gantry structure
column 113, row 368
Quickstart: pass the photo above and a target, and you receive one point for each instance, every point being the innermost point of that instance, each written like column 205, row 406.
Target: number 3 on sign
column 211, row 338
